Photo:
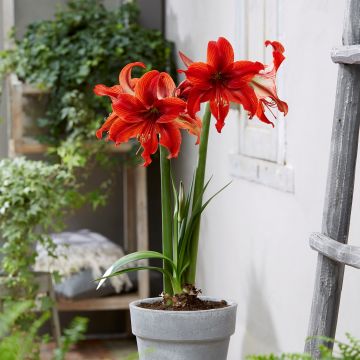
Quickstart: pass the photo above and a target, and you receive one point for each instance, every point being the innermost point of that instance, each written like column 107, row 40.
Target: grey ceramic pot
column 182, row 335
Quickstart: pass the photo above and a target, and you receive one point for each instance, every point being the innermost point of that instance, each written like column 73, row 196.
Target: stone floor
column 96, row 350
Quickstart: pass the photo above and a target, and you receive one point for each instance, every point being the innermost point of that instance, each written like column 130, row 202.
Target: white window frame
column 261, row 152
column 7, row 22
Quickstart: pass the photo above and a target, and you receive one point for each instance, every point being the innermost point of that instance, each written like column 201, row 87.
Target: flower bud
column 181, row 201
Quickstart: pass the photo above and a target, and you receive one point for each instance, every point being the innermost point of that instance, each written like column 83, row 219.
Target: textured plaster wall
column 254, row 243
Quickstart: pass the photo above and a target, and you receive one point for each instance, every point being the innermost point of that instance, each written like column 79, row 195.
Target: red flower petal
column 150, row 146
column 146, row 87
column 127, row 105
column 191, row 124
column 245, row 97
column 183, row 89
column 264, row 84
column 225, row 51
column 170, row 105
column 219, row 108
column 113, row 91
column 220, row 54
column 121, row 131
column 242, row 72
column 278, row 50
column 185, row 59
column 125, row 77
column 261, row 115
column 166, row 86
column 196, row 96
column 107, row 124
column 170, row 137
column 199, row 74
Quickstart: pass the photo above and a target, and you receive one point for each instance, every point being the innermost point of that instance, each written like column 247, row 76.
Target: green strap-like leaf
column 138, row 268
column 208, row 201
column 138, row 255
column 132, row 269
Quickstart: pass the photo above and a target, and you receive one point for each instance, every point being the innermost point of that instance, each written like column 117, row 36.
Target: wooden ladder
column 331, row 244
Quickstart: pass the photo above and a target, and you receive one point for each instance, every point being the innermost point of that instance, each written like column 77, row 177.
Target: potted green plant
column 152, row 109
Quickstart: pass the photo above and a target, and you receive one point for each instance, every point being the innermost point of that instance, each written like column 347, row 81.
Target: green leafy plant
column 68, row 55
column 72, row 335
column 16, row 344
column 34, row 198
column 343, row 351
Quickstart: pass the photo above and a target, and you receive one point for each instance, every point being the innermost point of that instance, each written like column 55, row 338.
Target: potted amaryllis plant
column 181, row 324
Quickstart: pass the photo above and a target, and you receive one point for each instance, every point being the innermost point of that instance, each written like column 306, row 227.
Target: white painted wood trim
column 8, row 20
column 261, row 151
column 268, row 173
column 260, row 21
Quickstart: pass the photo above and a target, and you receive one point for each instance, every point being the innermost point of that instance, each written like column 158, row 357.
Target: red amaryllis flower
column 126, row 86
column 152, row 110
column 265, row 86
column 222, row 80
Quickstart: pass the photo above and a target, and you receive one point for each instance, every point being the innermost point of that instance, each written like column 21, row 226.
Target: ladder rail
column 339, row 190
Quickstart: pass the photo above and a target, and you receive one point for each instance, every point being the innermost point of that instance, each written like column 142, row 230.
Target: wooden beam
column 339, row 191
column 21, row 146
column 332, row 249
column 346, row 55
column 116, row 302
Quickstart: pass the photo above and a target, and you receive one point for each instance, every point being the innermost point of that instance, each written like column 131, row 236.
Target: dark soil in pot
column 194, row 305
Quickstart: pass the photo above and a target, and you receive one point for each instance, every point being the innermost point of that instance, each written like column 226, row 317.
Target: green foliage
column 71, row 336
column 83, row 45
column 20, row 345
column 280, row 357
column 34, row 198
column 186, row 212
column 343, row 351
column 16, row 343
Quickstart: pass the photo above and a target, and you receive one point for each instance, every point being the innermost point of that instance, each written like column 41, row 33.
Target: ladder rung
column 342, row 253
column 346, row 54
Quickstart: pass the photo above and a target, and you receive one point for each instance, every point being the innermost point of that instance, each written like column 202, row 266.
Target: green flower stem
column 166, row 216
column 198, row 193
column 177, row 286
column 175, row 238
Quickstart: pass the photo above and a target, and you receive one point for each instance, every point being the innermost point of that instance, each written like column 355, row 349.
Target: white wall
column 254, row 244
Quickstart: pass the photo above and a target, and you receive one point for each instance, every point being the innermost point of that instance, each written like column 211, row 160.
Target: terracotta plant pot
column 182, row 335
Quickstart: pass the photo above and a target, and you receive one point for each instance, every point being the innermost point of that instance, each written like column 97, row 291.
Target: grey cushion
column 83, row 286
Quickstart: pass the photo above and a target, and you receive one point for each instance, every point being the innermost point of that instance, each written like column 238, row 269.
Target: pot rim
column 230, row 304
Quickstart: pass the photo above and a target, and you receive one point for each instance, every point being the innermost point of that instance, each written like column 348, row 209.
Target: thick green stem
column 198, row 193
column 166, row 216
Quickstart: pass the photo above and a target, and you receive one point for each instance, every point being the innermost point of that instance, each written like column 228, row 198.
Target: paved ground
column 97, row 350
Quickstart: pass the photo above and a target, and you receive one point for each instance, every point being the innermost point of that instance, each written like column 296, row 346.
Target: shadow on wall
column 260, row 336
